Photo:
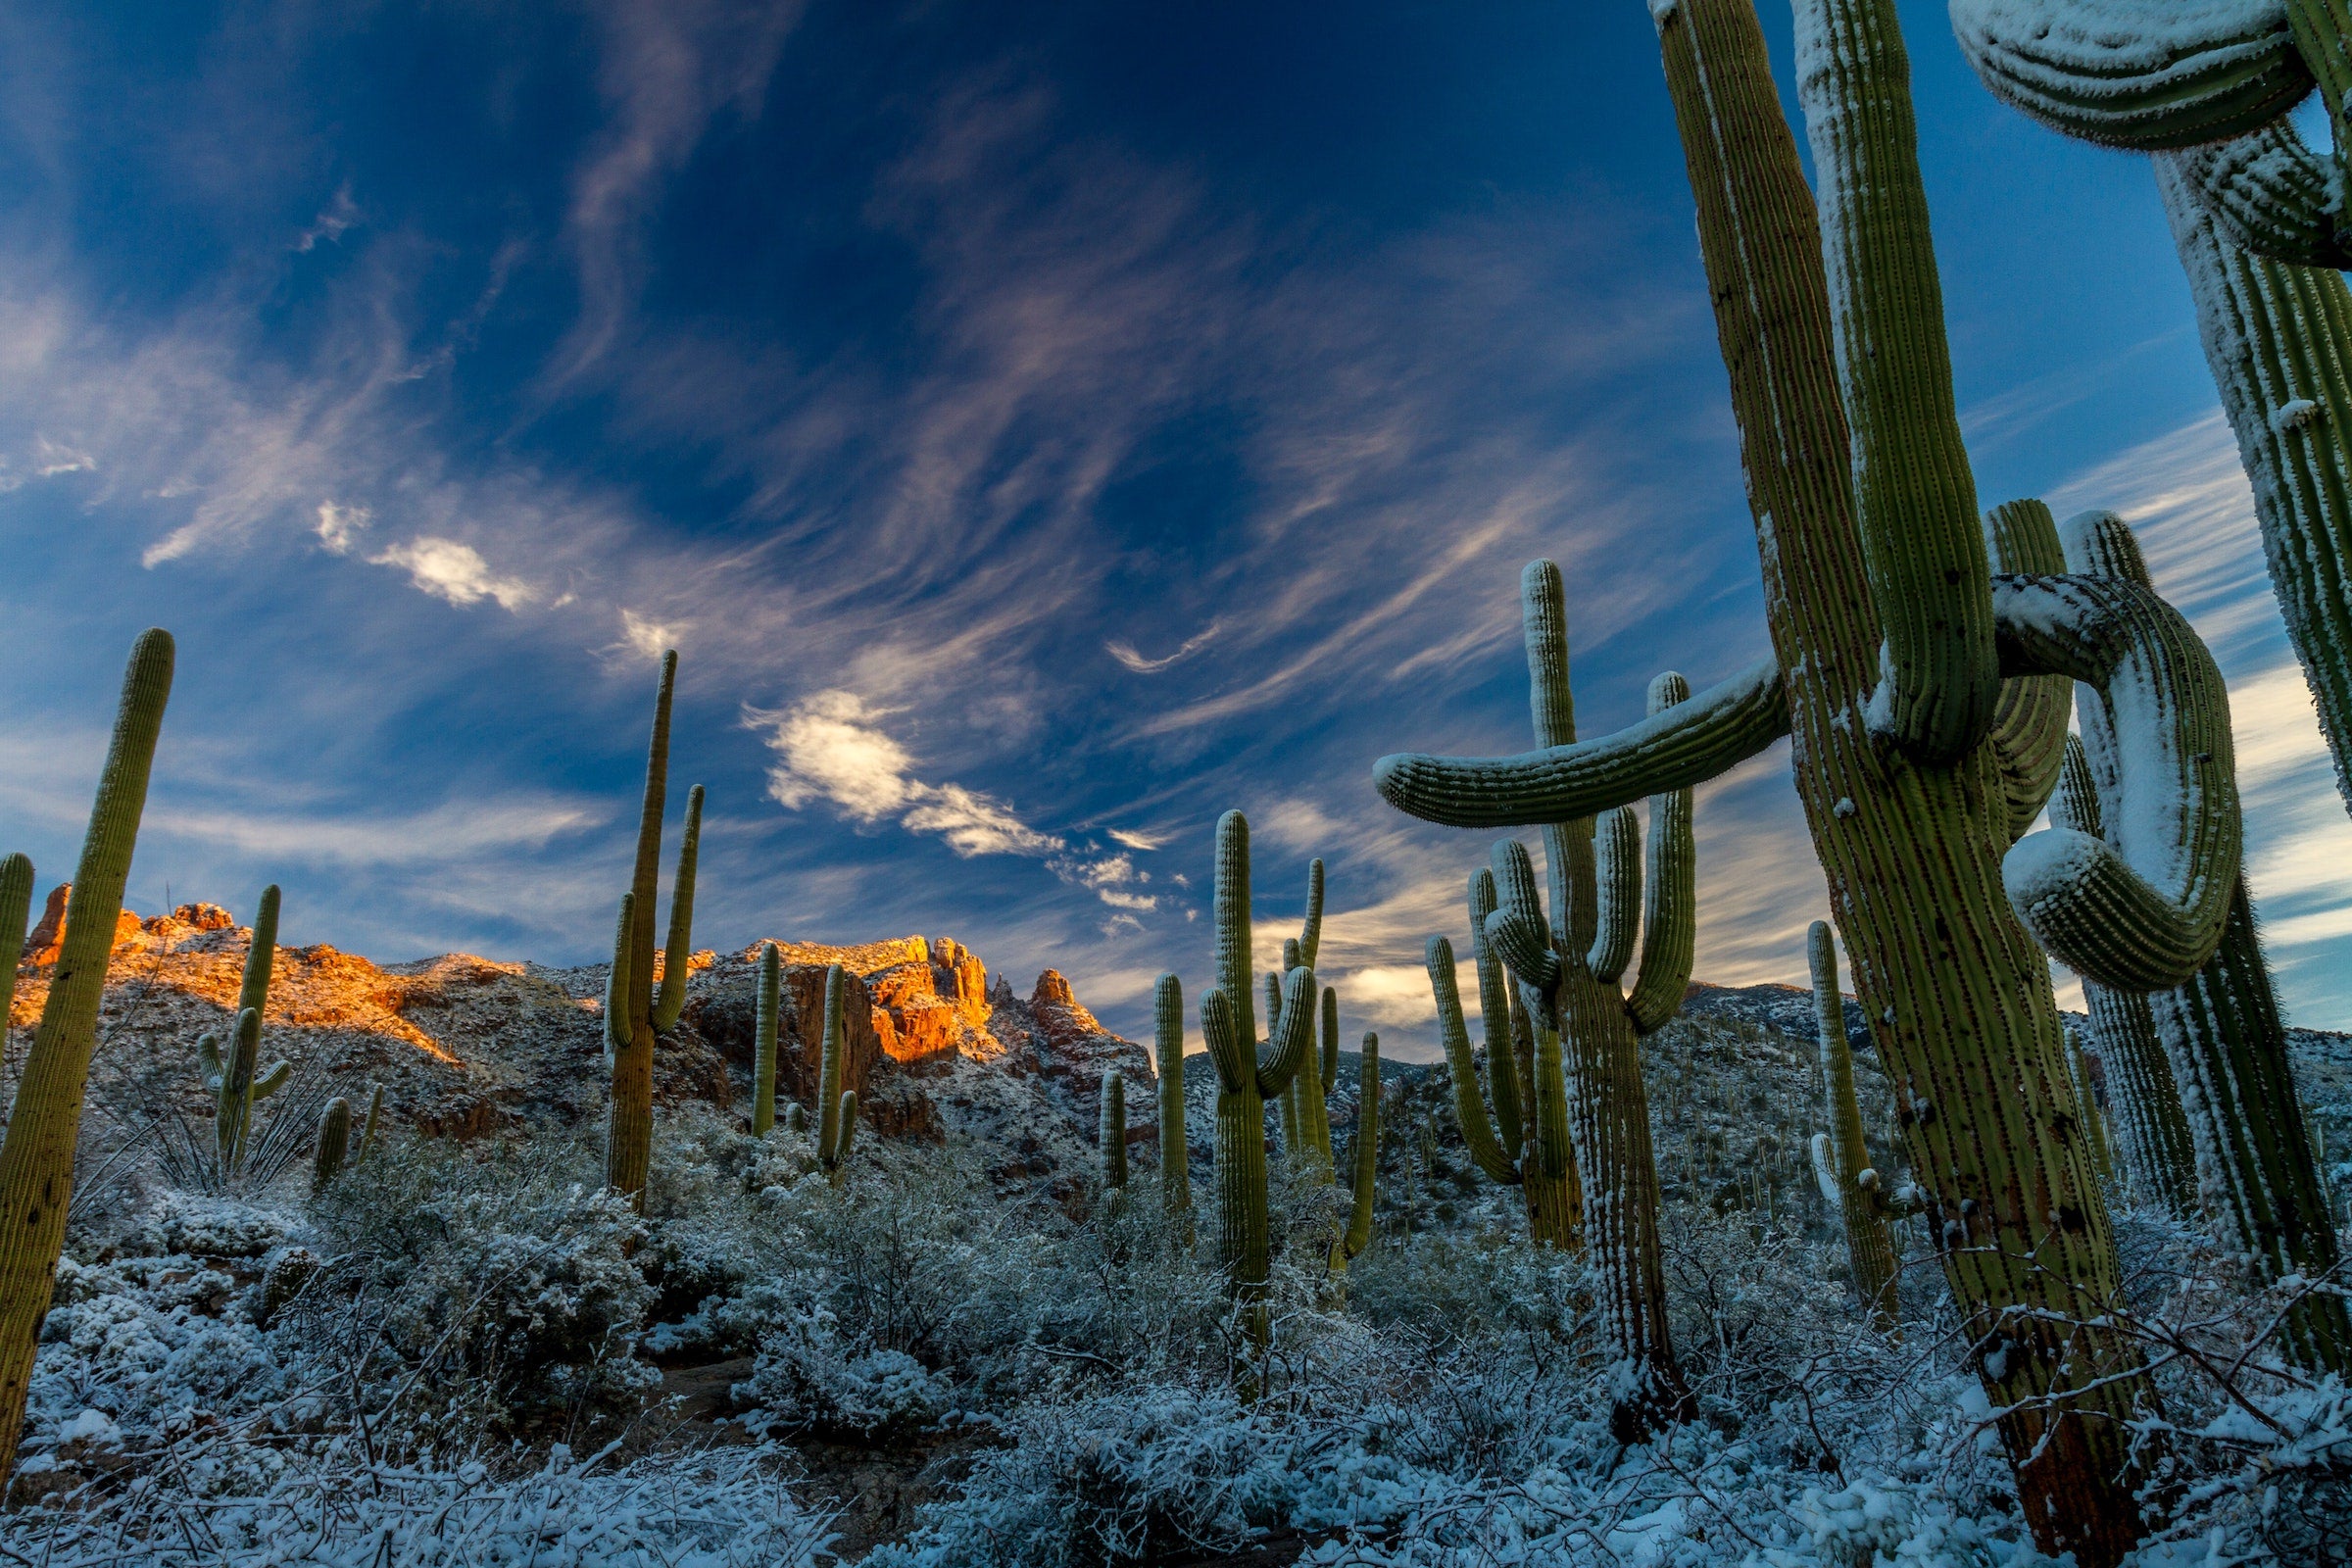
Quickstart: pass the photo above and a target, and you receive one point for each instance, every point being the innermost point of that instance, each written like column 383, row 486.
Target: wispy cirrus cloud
column 1124, row 652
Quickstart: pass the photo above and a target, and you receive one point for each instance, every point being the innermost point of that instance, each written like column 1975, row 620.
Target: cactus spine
column 1356, row 1239
column 1841, row 1157
column 631, row 1027
column 836, row 1106
column 1940, row 907
column 763, row 1035
column 36, row 1159
column 16, row 905
column 1175, row 1149
column 1244, row 1078
column 1111, row 1133
column 335, row 1137
column 2227, row 1048
column 2159, row 1156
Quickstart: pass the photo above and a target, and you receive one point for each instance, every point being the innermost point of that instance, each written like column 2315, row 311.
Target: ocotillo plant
column 763, row 1039
column 633, row 1025
column 16, row 904
column 2227, row 1044
column 1841, row 384
column 1111, row 1133
column 1245, row 1076
column 2258, row 222
column 1356, row 1239
column 335, row 1137
column 1515, row 1150
column 36, row 1161
column 1175, row 1149
column 2159, row 1156
column 1866, row 1208
column 836, row 1106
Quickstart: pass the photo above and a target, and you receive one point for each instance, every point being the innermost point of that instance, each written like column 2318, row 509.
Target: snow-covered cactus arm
column 670, row 1000
column 1310, row 929
column 1494, row 1019
column 2029, row 725
column 616, row 981
column 1293, row 1040
column 1915, row 497
column 1670, row 917
column 2137, row 74
column 16, row 905
column 1478, row 1134
column 2267, row 193
column 2145, row 909
column 1617, row 879
column 1688, row 744
column 1517, row 932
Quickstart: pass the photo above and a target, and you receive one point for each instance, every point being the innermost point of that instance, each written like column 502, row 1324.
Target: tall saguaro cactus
column 36, row 1161
column 1246, row 1077
column 1841, row 1157
column 1175, row 1149
column 631, row 1026
column 1941, row 904
column 1305, row 1102
column 836, row 1106
column 1110, row 1140
column 16, row 904
column 1356, row 1239
column 239, row 1081
column 2159, row 1156
column 765, row 1020
column 2227, row 1045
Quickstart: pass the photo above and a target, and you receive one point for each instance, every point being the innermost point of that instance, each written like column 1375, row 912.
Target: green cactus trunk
column 763, row 1035
column 335, row 1137
column 1356, row 1240
column 1841, row 1158
column 376, row 1109
column 1175, row 1150
column 1111, row 1134
column 260, row 954
column 36, row 1161
column 2095, row 1118
column 1543, row 1168
column 836, row 1107
column 16, row 905
column 678, row 952
column 629, row 1131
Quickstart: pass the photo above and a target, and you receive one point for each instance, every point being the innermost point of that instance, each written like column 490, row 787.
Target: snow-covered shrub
column 202, row 1225
column 808, row 1377
column 725, row 1507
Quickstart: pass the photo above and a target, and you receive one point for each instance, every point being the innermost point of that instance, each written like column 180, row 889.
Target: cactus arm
column 617, row 982
column 1330, row 1040
column 1175, row 1150
column 272, row 1079
column 829, row 1093
column 1231, row 1052
column 1825, row 1170
column 2144, row 911
column 629, row 1127
column 376, row 1109
column 1869, row 1246
column 1670, row 919
column 1357, row 1238
column 845, row 1116
column 2265, row 194
column 2086, row 1105
column 1517, row 932
column 1478, row 1134
column 1693, row 742
column 1310, row 1087
column 1617, row 879
column 2029, row 724
column 2194, row 75
column 234, row 1111
column 208, row 1060
column 765, row 1022
column 670, row 1000
column 1494, row 1015
column 335, row 1137
column 260, row 954
column 2322, row 32
column 2278, row 341
column 1232, row 904
column 1915, row 496
column 1311, row 930
column 1110, row 1136
column 1567, row 843
column 16, row 904
column 1295, row 1038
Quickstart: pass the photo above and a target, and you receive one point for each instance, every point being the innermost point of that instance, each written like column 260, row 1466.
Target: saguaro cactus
column 836, row 1106
column 1356, row 1239
column 1841, row 1157
column 1915, row 834
column 1245, row 1076
column 2159, row 1156
column 765, row 1019
column 2095, row 1118
column 238, row 1081
column 1111, row 1132
column 16, row 904
column 36, row 1161
column 2227, row 1048
column 1305, row 1102
column 633, row 1025
column 376, row 1109
column 335, row 1137
column 1175, row 1151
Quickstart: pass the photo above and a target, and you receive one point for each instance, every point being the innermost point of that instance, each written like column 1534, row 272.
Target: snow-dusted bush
column 726, row 1507
column 808, row 1377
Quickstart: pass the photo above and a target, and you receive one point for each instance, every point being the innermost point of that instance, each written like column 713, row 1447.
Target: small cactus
column 236, row 1081
column 16, row 904
column 1175, row 1153
column 376, row 1109
column 1840, row 1159
column 283, row 1281
column 836, row 1106
column 335, row 1137
column 36, row 1158
column 1357, row 1238
column 1111, row 1133
column 796, row 1119
column 764, row 1034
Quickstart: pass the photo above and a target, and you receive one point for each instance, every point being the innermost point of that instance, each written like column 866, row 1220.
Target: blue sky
column 1038, row 427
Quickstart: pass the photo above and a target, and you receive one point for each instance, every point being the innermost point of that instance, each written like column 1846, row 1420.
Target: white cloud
column 831, row 747
column 1124, row 652
column 331, row 223
column 1112, row 879
column 455, row 573
column 56, row 459
column 1138, row 841
column 648, row 637
column 339, row 527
